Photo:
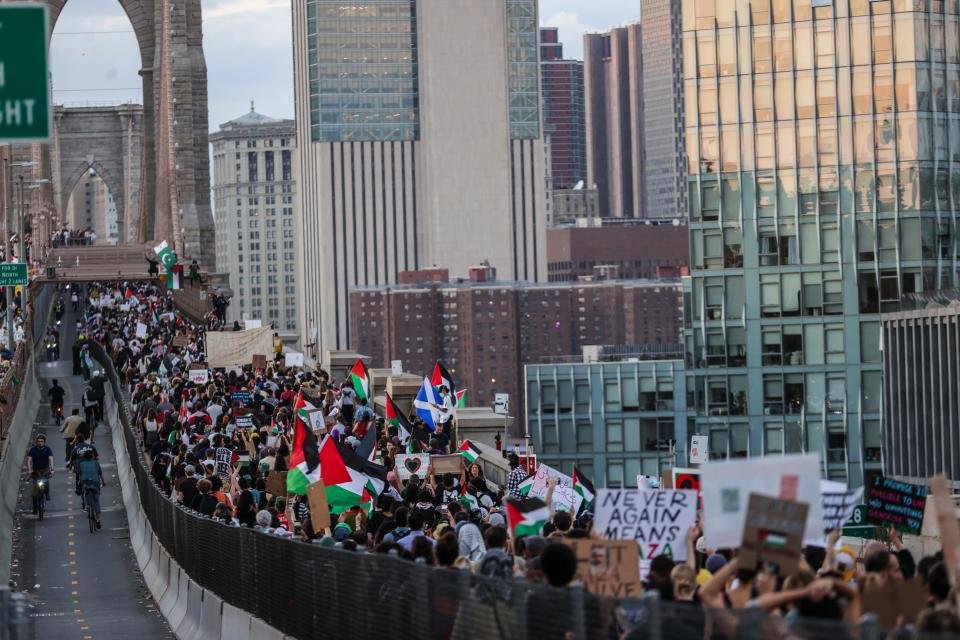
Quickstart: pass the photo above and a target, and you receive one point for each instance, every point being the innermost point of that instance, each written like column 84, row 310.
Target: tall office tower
column 613, row 85
column 664, row 170
column 255, row 192
column 822, row 145
column 418, row 128
column 561, row 82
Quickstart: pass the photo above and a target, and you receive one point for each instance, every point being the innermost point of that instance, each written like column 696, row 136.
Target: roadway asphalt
column 83, row 585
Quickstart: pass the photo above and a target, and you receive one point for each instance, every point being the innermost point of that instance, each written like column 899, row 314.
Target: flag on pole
column 304, row 455
column 167, row 256
column 583, row 486
column 427, row 404
column 396, row 418
column 468, row 500
column 470, row 451
column 350, row 480
column 527, row 517
column 461, row 399
column 442, row 378
column 175, row 277
column 361, row 380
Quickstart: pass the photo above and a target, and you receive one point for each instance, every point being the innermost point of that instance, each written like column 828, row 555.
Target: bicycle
column 39, row 484
column 90, row 491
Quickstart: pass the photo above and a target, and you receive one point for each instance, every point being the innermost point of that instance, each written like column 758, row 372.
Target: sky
column 247, row 44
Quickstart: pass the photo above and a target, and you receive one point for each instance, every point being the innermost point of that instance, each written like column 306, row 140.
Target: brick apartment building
column 485, row 330
column 624, row 251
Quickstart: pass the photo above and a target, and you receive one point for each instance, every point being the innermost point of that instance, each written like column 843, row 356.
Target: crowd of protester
column 73, row 237
column 210, row 447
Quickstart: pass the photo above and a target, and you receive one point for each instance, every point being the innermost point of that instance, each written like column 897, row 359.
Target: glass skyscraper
column 823, row 142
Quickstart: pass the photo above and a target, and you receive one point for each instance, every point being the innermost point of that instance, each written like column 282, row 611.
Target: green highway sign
column 24, row 89
column 857, row 526
column 13, row 274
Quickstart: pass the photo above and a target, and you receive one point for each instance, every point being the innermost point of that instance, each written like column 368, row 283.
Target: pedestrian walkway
column 83, row 585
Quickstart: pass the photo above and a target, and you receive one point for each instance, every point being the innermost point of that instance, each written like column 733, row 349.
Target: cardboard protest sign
column 277, row 483
column 890, row 502
column 891, row 599
column 181, row 341
column 408, row 464
column 259, row 361
column 666, row 479
column 838, row 503
column 141, row 330
column 946, row 515
column 319, row 508
column 657, row 520
column 237, row 348
column 199, row 376
column 773, row 533
column 447, row 464
column 608, row 567
column 292, row 359
column 564, row 497
column 726, row 486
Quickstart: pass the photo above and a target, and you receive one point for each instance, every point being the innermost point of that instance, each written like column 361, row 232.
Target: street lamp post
column 8, row 243
column 21, row 232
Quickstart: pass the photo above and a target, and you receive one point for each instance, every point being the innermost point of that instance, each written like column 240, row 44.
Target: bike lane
column 84, row 585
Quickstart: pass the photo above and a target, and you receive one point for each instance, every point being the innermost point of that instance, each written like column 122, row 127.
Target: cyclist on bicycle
column 91, row 479
column 40, row 460
column 55, row 394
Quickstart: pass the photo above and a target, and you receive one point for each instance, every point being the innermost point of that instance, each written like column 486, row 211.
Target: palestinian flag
column 361, row 380
column 527, row 516
column 470, row 451
column 302, row 409
column 304, row 456
column 526, row 484
column 175, row 277
column 461, row 399
column 127, row 293
column 442, row 378
column 350, row 480
column 397, row 419
column 468, row 500
column 156, row 316
column 583, row 486
column 183, row 411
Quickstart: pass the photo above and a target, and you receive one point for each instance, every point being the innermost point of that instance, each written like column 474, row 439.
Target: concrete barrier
column 162, row 581
column 190, row 627
column 210, row 616
column 234, row 623
column 11, row 463
column 150, row 571
column 262, row 631
column 169, row 598
column 179, row 609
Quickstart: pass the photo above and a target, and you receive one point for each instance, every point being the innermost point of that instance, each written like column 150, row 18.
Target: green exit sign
column 13, row 274
column 24, row 89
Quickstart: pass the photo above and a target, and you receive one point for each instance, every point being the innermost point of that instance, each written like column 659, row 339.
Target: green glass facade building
column 823, row 143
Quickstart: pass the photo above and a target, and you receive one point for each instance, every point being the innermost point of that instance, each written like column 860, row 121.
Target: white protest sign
column 293, row 359
column 657, row 520
column 396, row 367
column 252, row 324
column 141, row 330
column 564, row 496
column 199, row 376
column 125, row 306
column 725, row 489
column 317, row 423
column 699, row 452
column 408, row 464
column 838, row 503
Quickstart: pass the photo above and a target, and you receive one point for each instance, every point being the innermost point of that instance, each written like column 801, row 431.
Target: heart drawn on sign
column 412, row 464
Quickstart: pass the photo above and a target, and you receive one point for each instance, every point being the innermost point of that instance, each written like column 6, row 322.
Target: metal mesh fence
column 307, row 591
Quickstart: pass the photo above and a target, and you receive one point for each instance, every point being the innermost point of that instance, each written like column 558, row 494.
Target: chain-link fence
column 308, row 591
